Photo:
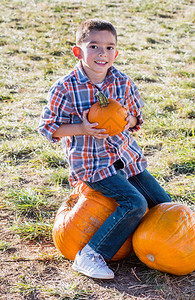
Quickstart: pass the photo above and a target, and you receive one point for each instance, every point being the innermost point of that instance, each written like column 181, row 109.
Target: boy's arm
column 84, row 128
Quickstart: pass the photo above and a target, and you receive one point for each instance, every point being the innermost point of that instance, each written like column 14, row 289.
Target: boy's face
column 98, row 53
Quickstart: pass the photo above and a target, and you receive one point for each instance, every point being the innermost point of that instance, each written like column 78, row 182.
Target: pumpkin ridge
column 91, row 209
column 181, row 237
column 176, row 231
column 162, row 214
column 105, row 204
column 80, row 229
column 83, row 210
column 73, row 236
column 170, row 236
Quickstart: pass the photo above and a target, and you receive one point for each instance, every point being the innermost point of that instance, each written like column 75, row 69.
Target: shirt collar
column 80, row 74
column 82, row 77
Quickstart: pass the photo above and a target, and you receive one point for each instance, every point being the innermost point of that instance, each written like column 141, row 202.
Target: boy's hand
column 89, row 128
column 131, row 120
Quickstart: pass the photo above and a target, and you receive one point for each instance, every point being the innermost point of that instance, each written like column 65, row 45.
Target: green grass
column 155, row 49
column 33, row 230
column 4, row 246
column 27, row 202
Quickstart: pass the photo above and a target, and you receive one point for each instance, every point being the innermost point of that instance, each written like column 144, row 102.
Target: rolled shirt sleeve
column 57, row 111
column 135, row 104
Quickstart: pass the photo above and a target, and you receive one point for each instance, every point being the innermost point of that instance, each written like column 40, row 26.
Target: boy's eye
column 110, row 48
column 93, row 47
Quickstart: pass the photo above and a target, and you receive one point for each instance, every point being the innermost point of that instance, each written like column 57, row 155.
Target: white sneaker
column 93, row 265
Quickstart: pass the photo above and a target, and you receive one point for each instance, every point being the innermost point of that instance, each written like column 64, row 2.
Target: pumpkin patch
column 165, row 239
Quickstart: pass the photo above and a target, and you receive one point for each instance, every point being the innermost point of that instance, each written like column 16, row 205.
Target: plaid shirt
column 92, row 159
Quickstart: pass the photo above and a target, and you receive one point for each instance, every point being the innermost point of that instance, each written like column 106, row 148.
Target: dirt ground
column 35, row 270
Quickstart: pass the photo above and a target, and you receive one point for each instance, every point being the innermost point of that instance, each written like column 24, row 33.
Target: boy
column 113, row 165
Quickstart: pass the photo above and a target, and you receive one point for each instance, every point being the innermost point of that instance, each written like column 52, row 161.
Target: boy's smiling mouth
column 100, row 62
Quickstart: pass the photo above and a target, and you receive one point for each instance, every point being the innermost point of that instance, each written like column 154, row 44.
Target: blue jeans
column 133, row 196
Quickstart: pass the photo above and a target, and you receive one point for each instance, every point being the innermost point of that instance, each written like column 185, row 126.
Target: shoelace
column 98, row 258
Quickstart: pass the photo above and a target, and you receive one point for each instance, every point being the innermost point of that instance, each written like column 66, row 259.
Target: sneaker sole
column 97, row 276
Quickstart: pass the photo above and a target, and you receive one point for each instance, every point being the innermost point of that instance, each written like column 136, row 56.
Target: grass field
column 156, row 50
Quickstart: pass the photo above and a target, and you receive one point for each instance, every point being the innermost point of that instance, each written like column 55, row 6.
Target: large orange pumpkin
column 109, row 114
column 79, row 218
column 165, row 239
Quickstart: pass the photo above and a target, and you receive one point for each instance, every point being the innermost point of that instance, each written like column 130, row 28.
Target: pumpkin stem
column 103, row 100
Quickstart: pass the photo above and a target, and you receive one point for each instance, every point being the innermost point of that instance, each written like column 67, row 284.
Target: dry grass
column 155, row 49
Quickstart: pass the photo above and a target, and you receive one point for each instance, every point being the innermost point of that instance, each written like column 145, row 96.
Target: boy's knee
column 141, row 206
column 138, row 205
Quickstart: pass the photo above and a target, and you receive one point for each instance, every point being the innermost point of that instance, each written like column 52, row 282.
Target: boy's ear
column 116, row 54
column 77, row 52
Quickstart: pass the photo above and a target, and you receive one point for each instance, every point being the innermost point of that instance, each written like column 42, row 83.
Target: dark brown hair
column 93, row 24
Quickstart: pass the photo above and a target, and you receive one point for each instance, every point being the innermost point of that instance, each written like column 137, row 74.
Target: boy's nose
column 102, row 52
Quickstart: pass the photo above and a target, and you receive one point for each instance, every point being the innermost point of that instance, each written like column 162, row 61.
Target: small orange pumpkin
column 109, row 114
column 79, row 218
column 165, row 239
